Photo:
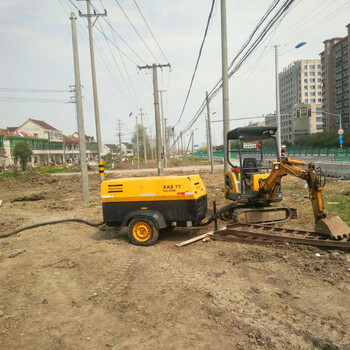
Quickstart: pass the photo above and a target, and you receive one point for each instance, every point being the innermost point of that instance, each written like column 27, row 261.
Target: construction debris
column 12, row 255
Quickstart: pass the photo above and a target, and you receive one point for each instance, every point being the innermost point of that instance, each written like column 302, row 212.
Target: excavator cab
column 248, row 170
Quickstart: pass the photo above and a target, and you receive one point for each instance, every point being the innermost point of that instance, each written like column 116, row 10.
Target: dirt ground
column 73, row 286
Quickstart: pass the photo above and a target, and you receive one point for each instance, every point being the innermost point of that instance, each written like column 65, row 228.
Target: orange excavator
column 253, row 187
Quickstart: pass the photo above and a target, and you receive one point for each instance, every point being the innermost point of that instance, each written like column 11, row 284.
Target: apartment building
column 48, row 145
column 335, row 81
column 301, row 88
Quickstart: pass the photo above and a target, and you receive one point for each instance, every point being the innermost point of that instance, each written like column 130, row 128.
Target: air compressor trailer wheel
column 142, row 232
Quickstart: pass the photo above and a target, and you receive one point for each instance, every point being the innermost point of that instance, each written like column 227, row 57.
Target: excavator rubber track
column 266, row 215
column 266, row 234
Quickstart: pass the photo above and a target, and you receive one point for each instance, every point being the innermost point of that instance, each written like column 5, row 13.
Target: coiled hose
column 50, row 223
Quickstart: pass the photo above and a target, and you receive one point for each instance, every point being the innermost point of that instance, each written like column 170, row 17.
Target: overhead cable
column 197, row 62
column 136, row 31
column 144, row 19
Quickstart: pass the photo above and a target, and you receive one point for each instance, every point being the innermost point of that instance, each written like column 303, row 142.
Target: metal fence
column 339, row 155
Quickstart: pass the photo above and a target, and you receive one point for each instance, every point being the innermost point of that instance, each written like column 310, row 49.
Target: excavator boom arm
column 271, row 185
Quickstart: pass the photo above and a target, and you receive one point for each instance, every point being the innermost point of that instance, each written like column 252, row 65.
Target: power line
column 278, row 16
column 122, row 76
column 144, row 19
column 31, row 90
column 121, row 38
column 197, row 62
column 323, row 20
column 127, row 17
column 34, row 100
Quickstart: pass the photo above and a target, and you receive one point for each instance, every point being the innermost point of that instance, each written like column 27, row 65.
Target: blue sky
column 36, row 53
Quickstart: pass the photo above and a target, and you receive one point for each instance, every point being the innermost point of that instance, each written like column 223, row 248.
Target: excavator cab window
column 247, row 146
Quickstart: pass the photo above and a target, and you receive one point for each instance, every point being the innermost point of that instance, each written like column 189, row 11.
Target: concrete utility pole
column 120, row 139
column 93, row 73
column 163, row 128
column 137, row 144
column 156, row 112
column 151, row 143
column 225, row 90
column 192, row 137
column 143, row 135
column 210, row 150
column 182, row 146
column 278, row 112
column 81, row 131
column 166, row 151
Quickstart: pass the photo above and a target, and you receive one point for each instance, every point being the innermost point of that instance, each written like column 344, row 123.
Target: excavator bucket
column 334, row 227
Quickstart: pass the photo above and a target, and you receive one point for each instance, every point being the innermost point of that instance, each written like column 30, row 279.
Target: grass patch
column 12, row 175
column 55, row 169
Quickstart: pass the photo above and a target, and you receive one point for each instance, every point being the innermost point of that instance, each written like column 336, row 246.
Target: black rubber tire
column 154, row 234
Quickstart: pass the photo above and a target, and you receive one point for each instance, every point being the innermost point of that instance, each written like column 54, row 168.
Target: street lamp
column 279, row 141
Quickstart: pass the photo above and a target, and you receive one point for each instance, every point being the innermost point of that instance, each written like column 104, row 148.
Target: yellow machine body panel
column 255, row 180
column 160, row 188
column 232, row 181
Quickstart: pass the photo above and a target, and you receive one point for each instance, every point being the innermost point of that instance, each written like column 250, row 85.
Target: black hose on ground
column 50, row 223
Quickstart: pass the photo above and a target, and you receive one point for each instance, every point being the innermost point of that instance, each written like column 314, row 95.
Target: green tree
column 323, row 139
column 141, row 148
column 23, row 153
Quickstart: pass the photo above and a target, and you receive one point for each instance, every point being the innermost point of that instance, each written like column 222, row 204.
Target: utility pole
column 163, row 128
column 166, row 153
column 182, row 147
column 156, row 112
column 120, row 139
column 278, row 112
column 173, row 134
column 93, row 73
column 81, row 131
column 151, row 143
column 192, row 144
column 225, row 91
column 137, row 144
column 210, row 150
column 143, row 135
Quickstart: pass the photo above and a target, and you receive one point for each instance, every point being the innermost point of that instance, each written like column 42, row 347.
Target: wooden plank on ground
column 198, row 238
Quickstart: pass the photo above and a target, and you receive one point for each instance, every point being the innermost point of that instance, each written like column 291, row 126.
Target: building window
column 305, row 74
column 312, row 66
column 305, row 66
column 319, row 110
column 312, row 80
column 318, row 73
column 319, row 127
column 306, row 100
column 319, row 119
column 305, row 80
column 319, row 86
column 318, row 66
column 319, row 93
column 312, row 93
column 319, row 100
column 312, row 87
column 305, row 94
column 305, row 87
column 312, row 100
column 312, row 73
column 318, row 80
